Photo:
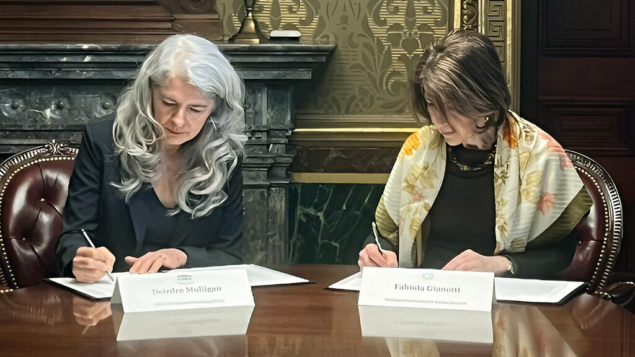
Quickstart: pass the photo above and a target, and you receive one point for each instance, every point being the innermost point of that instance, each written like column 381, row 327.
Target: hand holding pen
column 91, row 264
column 374, row 255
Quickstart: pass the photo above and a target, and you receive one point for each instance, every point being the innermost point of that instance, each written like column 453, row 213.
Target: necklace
column 488, row 161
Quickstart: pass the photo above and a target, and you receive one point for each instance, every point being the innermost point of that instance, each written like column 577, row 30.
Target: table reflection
column 433, row 324
column 509, row 330
column 525, row 330
column 40, row 305
column 220, row 321
column 211, row 346
column 89, row 312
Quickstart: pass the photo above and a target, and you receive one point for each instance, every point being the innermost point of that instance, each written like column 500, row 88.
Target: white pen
column 93, row 246
column 376, row 233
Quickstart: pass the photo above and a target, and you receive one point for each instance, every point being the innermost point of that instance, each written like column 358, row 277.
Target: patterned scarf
column 535, row 184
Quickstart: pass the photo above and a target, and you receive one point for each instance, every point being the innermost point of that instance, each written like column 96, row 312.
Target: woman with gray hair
column 160, row 184
column 480, row 189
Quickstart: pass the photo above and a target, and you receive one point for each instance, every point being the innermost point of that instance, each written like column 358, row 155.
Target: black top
column 97, row 206
column 467, row 198
column 163, row 227
column 463, row 217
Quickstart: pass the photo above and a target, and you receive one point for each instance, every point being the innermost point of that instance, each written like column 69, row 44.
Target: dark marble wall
column 329, row 222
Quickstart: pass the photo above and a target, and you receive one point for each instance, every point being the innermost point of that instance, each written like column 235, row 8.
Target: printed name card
column 427, row 288
column 181, row 291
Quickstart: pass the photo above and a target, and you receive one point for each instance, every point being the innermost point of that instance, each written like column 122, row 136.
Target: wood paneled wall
column 578, row 83
column 106, row 21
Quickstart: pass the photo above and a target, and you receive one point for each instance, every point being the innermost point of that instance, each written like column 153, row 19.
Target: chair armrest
column 621, row 293
column 5, row 289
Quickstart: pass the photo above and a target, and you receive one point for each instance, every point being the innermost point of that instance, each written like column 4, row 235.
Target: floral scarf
column 535, row 185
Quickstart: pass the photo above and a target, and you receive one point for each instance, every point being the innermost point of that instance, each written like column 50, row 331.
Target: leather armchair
column 600, row 234
column 33, row 190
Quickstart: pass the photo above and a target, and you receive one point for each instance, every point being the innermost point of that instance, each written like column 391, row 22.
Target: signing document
column 506, row 289
column 100, row 290
column 536, row 291
column 256, row 275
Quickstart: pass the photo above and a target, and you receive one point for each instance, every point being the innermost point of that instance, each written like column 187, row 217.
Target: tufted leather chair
column 600, row 232
column 33, row 190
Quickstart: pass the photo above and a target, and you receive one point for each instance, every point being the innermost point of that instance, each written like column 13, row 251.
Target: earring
column 484, row 124
column 213, row 123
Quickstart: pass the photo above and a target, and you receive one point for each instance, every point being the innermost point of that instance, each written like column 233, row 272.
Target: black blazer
column 98, row 207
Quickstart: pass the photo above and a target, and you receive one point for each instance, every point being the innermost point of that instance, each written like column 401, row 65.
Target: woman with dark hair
column 479, row 189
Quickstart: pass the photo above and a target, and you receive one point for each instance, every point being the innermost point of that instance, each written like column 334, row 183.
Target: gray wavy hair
column 208, row 159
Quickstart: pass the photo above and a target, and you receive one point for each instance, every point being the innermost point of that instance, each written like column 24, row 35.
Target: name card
column 427, row 288
column 187, row 290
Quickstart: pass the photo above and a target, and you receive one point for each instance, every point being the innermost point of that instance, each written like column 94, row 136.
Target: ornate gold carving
column 378, row 42
column 469, row 15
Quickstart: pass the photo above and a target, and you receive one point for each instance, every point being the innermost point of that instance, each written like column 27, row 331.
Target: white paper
column 427, row 288
column 182, row 291
column 507, row 289
column 352, row 283
column 536, row 291
column 102, row 289
column 432, row 324
column 257, row 275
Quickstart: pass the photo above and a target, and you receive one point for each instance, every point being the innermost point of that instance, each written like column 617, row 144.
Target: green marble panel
column 329, row 222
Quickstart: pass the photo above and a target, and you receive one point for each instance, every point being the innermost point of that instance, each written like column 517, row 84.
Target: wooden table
column 308, row 320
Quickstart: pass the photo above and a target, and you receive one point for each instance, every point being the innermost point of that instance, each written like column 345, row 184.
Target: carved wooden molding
column 566, row 32
column 106, row 21
column 594, row 125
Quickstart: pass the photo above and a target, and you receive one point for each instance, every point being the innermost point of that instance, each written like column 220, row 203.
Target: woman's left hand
column 469, row 260
column 151, row 262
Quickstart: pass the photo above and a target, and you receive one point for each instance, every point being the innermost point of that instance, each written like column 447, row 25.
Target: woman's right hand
column 89, row 313
column 371, row 257
column 90, row 264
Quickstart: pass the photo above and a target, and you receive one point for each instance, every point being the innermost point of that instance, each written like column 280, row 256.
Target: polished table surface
column 308, row 320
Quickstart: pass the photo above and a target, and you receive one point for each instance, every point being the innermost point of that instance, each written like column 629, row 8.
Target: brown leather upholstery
column 34, row 186
column 600, row 232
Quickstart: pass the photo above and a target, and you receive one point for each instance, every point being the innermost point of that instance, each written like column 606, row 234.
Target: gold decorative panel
column 378, row 43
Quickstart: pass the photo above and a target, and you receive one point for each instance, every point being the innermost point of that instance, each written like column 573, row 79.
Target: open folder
column 506, row 289
column 104, row 288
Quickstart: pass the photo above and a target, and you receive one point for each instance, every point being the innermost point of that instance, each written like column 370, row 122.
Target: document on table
column 536, row 291
column 257, row 275
column 102, row 289
column 353, row 283
column 507, row 289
